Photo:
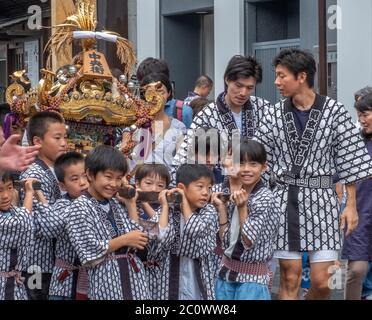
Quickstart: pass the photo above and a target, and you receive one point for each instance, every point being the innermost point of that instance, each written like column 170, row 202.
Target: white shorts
column 314, row 256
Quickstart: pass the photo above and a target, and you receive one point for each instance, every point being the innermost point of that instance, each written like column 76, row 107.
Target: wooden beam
column 60, row 10
column 23, row 33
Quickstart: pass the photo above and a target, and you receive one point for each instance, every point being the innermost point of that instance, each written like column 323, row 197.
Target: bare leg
column 356, row 272
column 319, row 275
column 290, row 279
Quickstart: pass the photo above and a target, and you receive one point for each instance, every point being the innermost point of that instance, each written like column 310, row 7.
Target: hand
column 16, row 158
column 349, row 217
column 185, row 202
column 136, row 239
column 124, row 182
column 40, row 197
column 163, row 198
column 216, row 201
column 240, row 198
column 28, row 186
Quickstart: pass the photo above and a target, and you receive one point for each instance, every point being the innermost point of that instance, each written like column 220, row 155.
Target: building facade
column 200, row 36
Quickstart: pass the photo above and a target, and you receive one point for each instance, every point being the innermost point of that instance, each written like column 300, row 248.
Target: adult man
column 309, row 138
column 203, row 88
column 235, row 109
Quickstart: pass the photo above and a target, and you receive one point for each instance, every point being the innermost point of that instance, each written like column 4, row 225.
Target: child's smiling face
column 6, row 195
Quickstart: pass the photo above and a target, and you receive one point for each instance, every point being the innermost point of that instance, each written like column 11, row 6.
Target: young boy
column 248, row 230
column 106, row 234
column 50, row 223
column 187, row 265
column 47, row 130
column 151, row 178
column 16, row 232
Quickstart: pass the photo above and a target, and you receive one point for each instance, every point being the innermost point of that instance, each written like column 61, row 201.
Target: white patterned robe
column 50, row 223
column 197, row 243
column 16, row 232
column 90, row 231
column 261, row 228
column 42, row 249
column 330, row 144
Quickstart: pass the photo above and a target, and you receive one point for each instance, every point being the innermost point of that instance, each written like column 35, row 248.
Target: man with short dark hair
column 309, row 139
column 236, row 109
column 203, row 87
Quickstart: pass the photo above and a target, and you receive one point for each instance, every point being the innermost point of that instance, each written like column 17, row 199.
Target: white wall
column 132, row 22
column 208, row 48
column 148, row 26
column 354, row 49
column 229, row 36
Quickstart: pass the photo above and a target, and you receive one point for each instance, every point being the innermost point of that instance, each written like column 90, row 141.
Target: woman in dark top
column 358, row 246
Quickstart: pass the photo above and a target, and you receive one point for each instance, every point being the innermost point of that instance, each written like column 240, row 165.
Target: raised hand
column 240, row 198
column 14, row 157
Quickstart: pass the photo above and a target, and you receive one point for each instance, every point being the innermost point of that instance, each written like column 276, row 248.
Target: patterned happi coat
column 330, row 144
column 260, row 227
column 90, row 231
column 197, row 242
column 50, row 223
column 42, row 249
column 16, row 232
column 219, row 116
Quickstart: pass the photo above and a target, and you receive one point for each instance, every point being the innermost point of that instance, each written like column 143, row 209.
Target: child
column 154, row 178
column 205, row 149
column 151, row 178
column 47, row 130
column 50, row 222
column 188, row 261
column 248, row 229
column 105, row 234
column 15, row 236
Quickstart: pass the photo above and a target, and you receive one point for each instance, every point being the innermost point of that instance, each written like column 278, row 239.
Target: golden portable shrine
column 85, row 92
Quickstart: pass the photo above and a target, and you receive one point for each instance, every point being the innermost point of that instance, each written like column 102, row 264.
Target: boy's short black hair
column 297, row 61
column 364, row 103
column 188, row 173
column 152, row 65
column 150, row 169
column 39, row 123
column 252, row 151
column 242, row 67
column 64, row 161
column 7, row 176
column 104, row 158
